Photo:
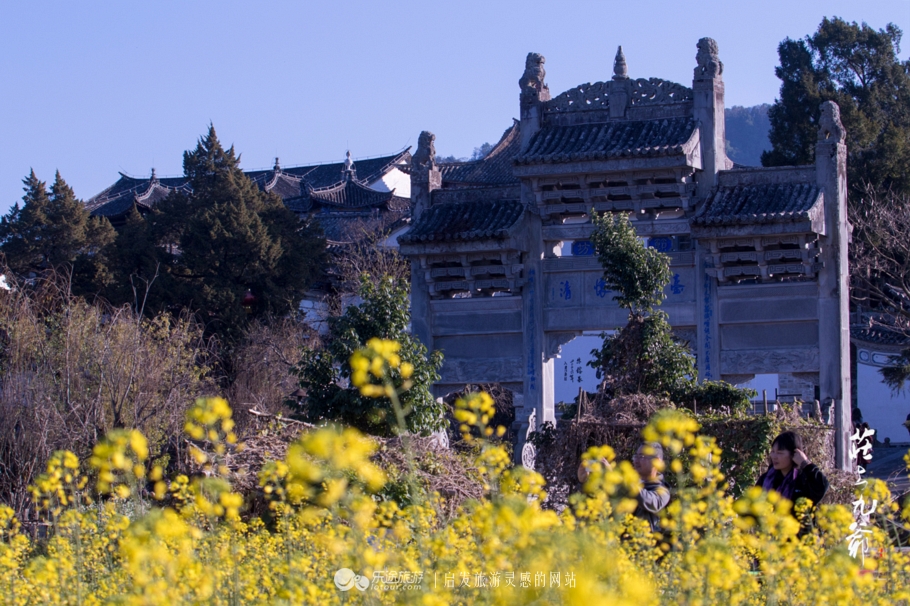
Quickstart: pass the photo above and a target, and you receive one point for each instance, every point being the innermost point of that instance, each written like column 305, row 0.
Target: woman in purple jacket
column 791, row 474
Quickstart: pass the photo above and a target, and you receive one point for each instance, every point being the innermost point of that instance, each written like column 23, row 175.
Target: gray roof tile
column 761, row 203
column 465, row 221
column 493, row 169
column 621, row 138
column 289, row 183
column 350, row 194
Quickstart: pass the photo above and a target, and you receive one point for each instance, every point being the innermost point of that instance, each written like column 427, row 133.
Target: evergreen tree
column 384, row 314
column 53, row 231
column 857, row 67
column 227, row 237
column 135, row 263
column 643, row 356
column 21, row 229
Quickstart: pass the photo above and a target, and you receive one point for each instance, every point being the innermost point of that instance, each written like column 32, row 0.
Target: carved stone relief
column 555, row 341
column 769, row 361
column 687, row 335
column 481, row 370
column 655, row 91
column 584, row 96
column 737, row 379
column 528, row 451
column 650, row 91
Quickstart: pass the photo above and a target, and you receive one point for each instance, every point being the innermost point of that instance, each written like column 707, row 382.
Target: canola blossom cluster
column 328, row 535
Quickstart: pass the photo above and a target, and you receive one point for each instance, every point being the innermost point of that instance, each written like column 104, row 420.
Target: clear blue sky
column 92, row 88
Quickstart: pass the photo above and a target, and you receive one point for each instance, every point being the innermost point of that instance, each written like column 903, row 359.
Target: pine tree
column 857, row 67
column 21, row 229
column 54, row 232
column 227, row 237
column 135, row 262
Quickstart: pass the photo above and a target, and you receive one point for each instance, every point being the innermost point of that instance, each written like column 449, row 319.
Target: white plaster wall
column 575, row 356
column 882, row 410
column 394, row 179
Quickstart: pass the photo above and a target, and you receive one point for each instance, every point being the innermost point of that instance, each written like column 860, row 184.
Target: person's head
column 644, row 459
column 782, row 449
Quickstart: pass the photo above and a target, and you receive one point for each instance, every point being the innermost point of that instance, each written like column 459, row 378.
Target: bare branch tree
column 880, row 271
column 70, row 371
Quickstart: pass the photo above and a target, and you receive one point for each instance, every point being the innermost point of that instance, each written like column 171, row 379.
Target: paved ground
column 888, row 464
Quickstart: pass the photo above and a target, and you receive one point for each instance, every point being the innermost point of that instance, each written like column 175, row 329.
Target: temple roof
column 292, row 184
column 119, row 198
column 759, row 203
column 465, row 221
column 493, row 169
column 326, row 175
column 602, row 141
column 350, row 193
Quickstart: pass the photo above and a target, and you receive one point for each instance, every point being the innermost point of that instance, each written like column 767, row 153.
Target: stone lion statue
column 425, row 156
column 829, row 124
column 709, row 65
column 531, row 81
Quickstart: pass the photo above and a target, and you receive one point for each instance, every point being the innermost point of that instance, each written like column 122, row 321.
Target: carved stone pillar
column 538, row 369
column 833, row 295
column 425, row 177
column 708, row 92
column 707, row 329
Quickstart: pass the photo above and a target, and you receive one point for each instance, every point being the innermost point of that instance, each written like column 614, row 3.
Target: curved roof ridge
column 350, row 193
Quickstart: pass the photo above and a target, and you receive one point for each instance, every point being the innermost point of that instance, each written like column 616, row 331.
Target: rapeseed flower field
column 120, row 532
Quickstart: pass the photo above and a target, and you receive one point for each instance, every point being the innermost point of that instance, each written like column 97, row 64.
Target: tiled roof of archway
column 493, row 169
column 601, row 141
column 760, row 203
column 465, row 221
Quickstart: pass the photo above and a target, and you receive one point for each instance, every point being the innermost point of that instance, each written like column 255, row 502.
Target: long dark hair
column 789, row 440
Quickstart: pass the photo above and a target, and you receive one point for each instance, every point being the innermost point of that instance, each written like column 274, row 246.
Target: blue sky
column 93, row 88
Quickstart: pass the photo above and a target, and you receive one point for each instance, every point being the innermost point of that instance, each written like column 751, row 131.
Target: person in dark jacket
column 654, row 493
column 791, row 474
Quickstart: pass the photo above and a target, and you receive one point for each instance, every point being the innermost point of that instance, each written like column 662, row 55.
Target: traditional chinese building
column 343, row 197
column 503, row 273
column 332, row 193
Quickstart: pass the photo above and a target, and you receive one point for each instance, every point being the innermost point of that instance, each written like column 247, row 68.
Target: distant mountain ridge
column 747, row 133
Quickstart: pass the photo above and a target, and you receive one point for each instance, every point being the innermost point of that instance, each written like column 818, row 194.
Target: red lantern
column 248, row 301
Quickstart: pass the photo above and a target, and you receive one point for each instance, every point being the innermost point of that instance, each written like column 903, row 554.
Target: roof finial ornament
column 277, row 166
column 154, row 177
column 620, row 69
column 424, row 159
column 532, row 83
column 829, row 124
column 348, row 169
column 709, row 64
